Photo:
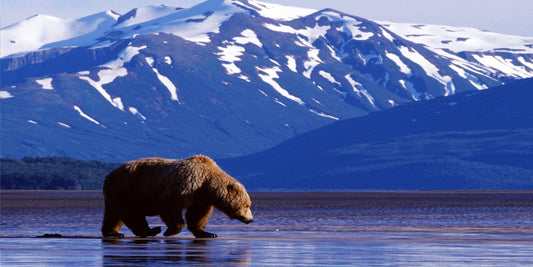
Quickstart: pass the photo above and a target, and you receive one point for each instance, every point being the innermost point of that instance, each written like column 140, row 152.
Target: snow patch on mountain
column 321, row 114
column 232, row 52
column 277, row 12
column 410, row 87
column 124, row 57
column 64, row 125
column 114, row 69
column 471, row 78
column 280, row 28
column 5, row 95
column 164, row 80
column 98, row 85
column 311, row 33
column 78, row 109
column 314, row 60
column 429, row 68
column 529, row 64
column 351, row 26
column 459, row 39
column 248, row 36
column 503, row 65
column 136, row 113
column 329, row 77
column 45, row 83
column 268, row 75
column 398, row 61
column 360, row 90
column 291, row 63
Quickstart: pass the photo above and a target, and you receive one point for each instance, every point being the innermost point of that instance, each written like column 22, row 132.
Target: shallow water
column 291, row 229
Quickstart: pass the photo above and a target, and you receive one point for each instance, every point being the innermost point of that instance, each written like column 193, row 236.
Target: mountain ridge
column 442, row 144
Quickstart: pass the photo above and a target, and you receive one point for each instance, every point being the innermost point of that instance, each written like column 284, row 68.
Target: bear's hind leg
column 197, row 216
column 111, row 224
column 174, row 221
column 139, row 226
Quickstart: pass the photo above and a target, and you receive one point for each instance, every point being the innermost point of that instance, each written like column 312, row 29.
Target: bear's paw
column 204, row 234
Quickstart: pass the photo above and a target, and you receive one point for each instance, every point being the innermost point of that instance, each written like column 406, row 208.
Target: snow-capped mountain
column 225, row 77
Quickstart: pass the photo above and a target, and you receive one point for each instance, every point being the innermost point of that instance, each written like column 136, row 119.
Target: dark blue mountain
column 473, row 140
column 225, row 78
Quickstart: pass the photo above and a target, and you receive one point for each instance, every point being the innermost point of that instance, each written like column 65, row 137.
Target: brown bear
column 165, row 187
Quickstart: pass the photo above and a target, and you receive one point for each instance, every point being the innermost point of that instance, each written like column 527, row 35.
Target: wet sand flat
column 291, row 229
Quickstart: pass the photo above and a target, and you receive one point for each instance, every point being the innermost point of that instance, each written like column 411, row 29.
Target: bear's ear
column 235, row 187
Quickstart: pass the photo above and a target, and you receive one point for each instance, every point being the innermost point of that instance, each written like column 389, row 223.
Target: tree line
column 53, row 173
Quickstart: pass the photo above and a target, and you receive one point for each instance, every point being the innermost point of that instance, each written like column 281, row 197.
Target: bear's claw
column 114, row 235
column 203, row 234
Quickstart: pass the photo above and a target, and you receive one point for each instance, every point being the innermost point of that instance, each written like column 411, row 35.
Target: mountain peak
column 34, row 21
column 143, row 14
column 459, row 39
column 45, row 31
column 274, row 11
column 113, row 14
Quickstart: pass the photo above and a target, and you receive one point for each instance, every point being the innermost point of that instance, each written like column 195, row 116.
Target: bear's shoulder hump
column 202, row 159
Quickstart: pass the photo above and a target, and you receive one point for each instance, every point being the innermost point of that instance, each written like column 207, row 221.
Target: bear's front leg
column 174, row 221
column 197, row 216
column 139, row 226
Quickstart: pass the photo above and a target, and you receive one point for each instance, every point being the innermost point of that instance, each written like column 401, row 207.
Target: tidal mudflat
column 290, row 229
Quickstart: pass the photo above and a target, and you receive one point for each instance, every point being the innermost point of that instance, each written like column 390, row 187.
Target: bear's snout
column 245, row 216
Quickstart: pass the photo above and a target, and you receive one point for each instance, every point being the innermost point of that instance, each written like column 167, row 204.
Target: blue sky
column 509, row 17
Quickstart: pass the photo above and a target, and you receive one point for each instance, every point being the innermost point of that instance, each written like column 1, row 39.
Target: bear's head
column 239, row 203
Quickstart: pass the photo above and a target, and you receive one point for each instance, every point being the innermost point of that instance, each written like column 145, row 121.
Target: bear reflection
column 124, row 252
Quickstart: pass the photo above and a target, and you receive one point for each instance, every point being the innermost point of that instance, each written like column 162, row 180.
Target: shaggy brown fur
column 165, row 187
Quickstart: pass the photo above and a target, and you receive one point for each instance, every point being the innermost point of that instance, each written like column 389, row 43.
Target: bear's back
column 143, row 174
column 151, row 175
